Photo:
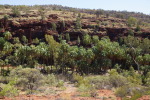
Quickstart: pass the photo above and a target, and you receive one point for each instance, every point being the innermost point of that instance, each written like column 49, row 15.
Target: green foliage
column 108, row 82
column 79, row 15
column 2, row 42
column 60, row 83
column 99, row 12
column 63, row 24
column 95, row 39
column 54, row 26
column 16, row 40
column 9, row 90
column 15, row 12
column 132, row 76
column 36, row 41
column 42, row 13
column 144, row 60
column 118, row 68
column 51, row 80
column 130, row 32
column 132, row 90
column 6, row 17
column 87, row 39
column 27, row 78
column 113, row 72
column 7, row 35
column 147, row 79
column 24, row 39
column 67, row 37
column 84, row 88
column 78, row 40
column 138, row 28
column 78, row 23
column 132, row 21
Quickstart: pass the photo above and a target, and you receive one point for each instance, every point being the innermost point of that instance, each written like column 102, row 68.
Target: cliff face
column 37, row 29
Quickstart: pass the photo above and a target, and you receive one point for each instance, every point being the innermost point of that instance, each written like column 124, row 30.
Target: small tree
column 78, row 23
column 15, row 12
column 27, row 78
column 63, row 24
column 138, row 28
column 42, row 13
column 130, row 32
column 87, row 39
column 99, row 12
column 24, row 39
column 5, row 17
column 2, row 42
column 67, row 37
column 79, row 15
column 54, row 26
column 7, row 35
column 60, row 37
column 95, row 39
column 132, row 21
column 16, row 40
column 78, row 40
column 36, row 41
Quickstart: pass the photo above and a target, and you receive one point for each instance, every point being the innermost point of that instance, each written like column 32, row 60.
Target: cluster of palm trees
column 61, row 57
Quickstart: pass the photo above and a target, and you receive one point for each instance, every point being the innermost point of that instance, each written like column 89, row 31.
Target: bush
column 114, row 80
column 100, row 82
column 51, row 80
column 84, row 88
column 8, row 90
column 54, row 27
column 129, row 90
column 147, row 79
column 60, row 83
column 118, row 80
column 132, row 21
column 79, row 80
column 15, row 12
column 27, row 78
column 7, row 35
column 132, row 76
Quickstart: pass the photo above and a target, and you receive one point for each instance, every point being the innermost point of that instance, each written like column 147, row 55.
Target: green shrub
column 118, row 80
column 136, row 96
column 36, row 41
column 9, row 90
column 27, row 78
column 113, row 72
column 138, row 28
column 132, row 76
column 147, row 79
column 50, row 79
column 54, row 27
column 79, row 80
column 7, row 35
column 100, row 82
column 129, row 90
column 15, row 12
column 84, row 88
column 60, row 83
column 108, row 82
